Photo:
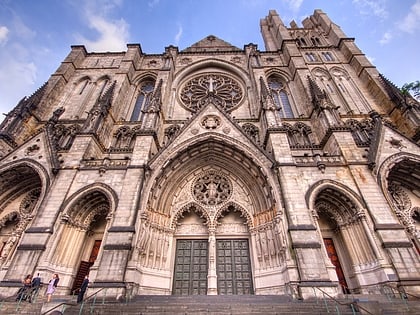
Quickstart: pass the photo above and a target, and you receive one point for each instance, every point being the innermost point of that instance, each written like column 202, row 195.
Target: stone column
column 212, row 273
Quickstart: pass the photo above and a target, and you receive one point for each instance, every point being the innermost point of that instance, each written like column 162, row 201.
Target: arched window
column 280, row 96
column 143, row 99
column 328, row 56
column 310, row 56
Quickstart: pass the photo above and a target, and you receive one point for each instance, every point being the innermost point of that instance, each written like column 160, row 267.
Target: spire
column 403, row 101
column 105, row 99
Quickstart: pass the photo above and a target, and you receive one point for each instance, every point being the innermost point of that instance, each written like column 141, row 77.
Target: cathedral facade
column 215, row 170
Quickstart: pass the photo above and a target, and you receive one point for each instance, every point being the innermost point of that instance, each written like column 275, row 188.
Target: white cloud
column 21, row 30
column 386, row 38
column 375, row 7
column 411, row 22
column 113, row 34
column 178, row 35
column 4, row 32
column 17, row 78
column 294, row 4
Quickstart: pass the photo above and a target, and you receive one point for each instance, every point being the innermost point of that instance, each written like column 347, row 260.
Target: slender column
column 212, row 273
column 348, row 242
column 362, row 217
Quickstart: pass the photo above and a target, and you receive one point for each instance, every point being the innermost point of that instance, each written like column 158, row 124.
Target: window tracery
column 216, row 88
column 362, row 131
column 280, row 96
column 143, row 99
column 252, row 131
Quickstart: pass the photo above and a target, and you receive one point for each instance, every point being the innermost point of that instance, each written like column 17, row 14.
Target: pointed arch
column 352, row 199
column 75, row 208
column 280, row 92
column 234, row 207
column 398, row 177
column 189, row 207
column 143, row 96
column 342, row 223
column 23, row 185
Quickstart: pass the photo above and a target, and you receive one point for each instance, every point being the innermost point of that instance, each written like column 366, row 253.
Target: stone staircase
column 215, row 305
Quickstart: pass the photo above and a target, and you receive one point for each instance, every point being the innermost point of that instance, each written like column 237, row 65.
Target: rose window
column 212, row 189
column 211, row 88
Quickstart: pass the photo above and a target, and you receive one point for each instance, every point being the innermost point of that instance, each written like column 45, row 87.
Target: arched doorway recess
column 83, row 224
column 20, row 193
column 216, row 198
column 344, row 227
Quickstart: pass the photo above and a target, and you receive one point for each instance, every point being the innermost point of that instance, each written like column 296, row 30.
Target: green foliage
column 412, row 88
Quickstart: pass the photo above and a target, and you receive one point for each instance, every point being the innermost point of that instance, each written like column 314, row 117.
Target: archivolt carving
column 402, row 206
column 86, row 205
column 12, row 216
column 28, row 203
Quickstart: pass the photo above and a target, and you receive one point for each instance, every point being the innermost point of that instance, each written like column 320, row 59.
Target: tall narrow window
column 328, row 56
column 280, row 96
column 143, row 99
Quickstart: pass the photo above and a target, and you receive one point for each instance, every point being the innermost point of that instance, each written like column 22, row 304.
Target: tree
column 412, row 88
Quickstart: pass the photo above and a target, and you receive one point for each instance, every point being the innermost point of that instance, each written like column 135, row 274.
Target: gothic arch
column 221, row 65
column 84, row 223
column 232, row 206
column 204, row 152
column 23, row 186
column 147, row 76
column 353, row 200
column 344, row 228
column 107, row 192
column 279, row 73
column 398, row 177
column 190, row 207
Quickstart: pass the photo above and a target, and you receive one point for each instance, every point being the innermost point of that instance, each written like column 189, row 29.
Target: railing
column 353, row 305
column 64, row 305
column 397, row 292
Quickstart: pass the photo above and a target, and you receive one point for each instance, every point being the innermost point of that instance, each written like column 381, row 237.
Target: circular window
column 212, row 189
column 211, row 88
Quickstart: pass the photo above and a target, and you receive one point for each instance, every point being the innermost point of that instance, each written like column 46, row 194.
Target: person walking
column 52, row 285
column 36, row 284
column 83, row 289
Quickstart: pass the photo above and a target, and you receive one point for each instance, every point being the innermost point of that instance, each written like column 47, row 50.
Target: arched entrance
column 402, row 189
column 344, row 229
column 207, row 207
column 83, row 225
column 20, row 192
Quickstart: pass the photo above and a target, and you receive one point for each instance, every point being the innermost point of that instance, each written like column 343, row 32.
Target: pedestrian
column 36, row 284
column 24, row 291
column 52, row 285
column 83, row 288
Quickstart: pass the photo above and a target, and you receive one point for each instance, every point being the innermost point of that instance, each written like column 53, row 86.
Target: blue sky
column 35, row 36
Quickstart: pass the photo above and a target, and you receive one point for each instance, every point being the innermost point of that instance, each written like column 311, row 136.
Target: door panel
column 190, row 277
column 332, row 254
column 233, row 267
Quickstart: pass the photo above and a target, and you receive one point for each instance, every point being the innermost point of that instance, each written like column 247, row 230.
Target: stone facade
column 215, row 170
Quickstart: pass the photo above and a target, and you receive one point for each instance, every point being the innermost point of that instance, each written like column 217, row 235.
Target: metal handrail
column 351, row 304
column 64, row 304
column 404, row 295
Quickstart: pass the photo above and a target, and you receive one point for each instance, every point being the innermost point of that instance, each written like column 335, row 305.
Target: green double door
column 232, row 263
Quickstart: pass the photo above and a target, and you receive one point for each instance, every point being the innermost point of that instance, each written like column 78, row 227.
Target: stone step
column 215, row 305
